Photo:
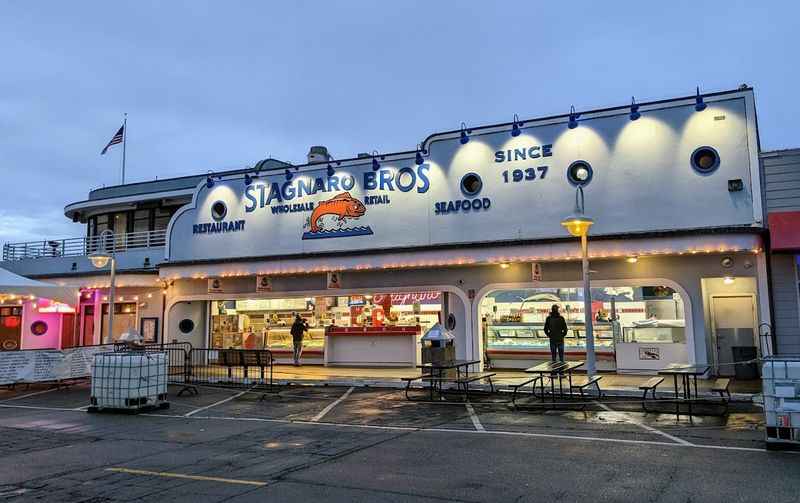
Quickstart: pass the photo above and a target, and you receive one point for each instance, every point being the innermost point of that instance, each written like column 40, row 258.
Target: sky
column 220, row 85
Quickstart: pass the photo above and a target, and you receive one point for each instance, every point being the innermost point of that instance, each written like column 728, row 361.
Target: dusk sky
column 220, row 85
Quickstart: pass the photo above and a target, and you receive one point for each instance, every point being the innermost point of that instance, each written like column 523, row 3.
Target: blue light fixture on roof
column 634, row 109
column 699, row 104
column 247, row 179
column 331, row 171
column 515, row 130
column 375, row 164
column 464, row 136
column 418, row 159
column 573, row 118
column 209, row 182
column 288, row 175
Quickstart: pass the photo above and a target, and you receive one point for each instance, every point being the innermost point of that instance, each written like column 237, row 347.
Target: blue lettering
column 386, row 179
column 423, row 177
column 288, row 191
column 412, row 179
column 333, row 183
column 519, row 153
column 303, row 186
column 533, row 152
column 547, row 150
column 248, row 194
column 348, row 182
column 370, row 182
column 499, row 156
column 319, row 185
column 274, row 193
column 263, row 191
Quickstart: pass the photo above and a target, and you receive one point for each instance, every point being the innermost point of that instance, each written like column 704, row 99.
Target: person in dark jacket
column 555, row 327
column 299, row 328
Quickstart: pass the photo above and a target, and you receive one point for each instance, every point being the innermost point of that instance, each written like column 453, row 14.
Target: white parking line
column 189, row 477
column 475, row 421
column 685, row 445
column 226, row 400
column 330, row 407
column 644, row 426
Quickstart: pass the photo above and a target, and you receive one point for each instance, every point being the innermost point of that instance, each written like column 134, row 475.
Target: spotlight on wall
column 632, row 259
column 288, row 174
column 247, row 179
column 573, row 118
column 209, row 182
column 375, row 164
column 330, row 170
column 699, row 104
column 464, row 136
column 634, row 109
column 504, row 265
column 418, row 159
column 515, row 130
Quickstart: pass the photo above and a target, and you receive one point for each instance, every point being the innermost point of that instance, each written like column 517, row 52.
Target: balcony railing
column 79, row 247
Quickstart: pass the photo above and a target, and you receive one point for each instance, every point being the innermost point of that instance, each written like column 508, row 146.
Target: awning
column 14, row 284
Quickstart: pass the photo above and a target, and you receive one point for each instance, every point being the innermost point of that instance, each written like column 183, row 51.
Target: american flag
column 117, row 138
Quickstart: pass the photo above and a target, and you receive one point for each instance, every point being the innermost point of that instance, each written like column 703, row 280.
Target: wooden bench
column 592, row 381
column 649, row 385
column 517, row 385
column 722, row 386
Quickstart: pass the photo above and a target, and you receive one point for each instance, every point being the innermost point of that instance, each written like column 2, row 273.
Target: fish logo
column 343, row 206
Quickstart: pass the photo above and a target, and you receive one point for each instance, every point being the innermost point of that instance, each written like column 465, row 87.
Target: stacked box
column 781, row 386
column 129, row 380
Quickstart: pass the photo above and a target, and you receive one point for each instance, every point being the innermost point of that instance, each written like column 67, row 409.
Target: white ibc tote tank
column 131, row 379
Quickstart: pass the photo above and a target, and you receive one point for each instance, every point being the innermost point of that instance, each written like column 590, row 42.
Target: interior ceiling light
column 515, row 130
column 632, row 260
column 573, row 118
column 699, row 104
column 634, row 109
column 464, row 136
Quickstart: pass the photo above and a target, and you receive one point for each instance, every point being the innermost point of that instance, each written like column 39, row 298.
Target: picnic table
column 551, row 369
column 687, row 373
column 434, row 373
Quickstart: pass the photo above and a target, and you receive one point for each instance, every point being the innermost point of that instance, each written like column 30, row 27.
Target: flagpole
column 124, row 144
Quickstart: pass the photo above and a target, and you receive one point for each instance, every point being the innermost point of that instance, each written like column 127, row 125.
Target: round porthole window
column 705, row 160
column 471, row 184
column 579, row 173
column 38, row 328
column 218, row 210
column 186, row 325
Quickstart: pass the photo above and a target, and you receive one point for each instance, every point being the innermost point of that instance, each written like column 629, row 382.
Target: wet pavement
column 335, row 443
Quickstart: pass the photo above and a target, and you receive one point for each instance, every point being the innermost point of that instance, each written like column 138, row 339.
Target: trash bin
column 745, row 354
column 438, row 346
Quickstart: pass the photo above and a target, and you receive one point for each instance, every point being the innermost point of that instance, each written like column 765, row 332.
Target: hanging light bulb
column 699, row 104
column 634, row 110
column 573, row 118
column 515, row 130
column 464, row 136
column 375, row 164
column 418, row 159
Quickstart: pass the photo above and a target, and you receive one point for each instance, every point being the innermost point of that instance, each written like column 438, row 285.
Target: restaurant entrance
column 10, row 327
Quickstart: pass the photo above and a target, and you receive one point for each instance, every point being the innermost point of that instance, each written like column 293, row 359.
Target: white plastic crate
column 781, row 386
column 129, row 380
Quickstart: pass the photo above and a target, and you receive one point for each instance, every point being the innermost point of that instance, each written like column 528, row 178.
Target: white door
column 733, row 324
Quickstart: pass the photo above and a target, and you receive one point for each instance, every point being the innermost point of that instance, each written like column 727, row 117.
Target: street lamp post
column 578, row 225
column 100, row 259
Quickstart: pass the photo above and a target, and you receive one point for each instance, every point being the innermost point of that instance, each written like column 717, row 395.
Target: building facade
column 466, row 230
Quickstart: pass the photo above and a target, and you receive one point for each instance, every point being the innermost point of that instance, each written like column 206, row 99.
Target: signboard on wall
column 493, row 188
column 650, row 353
column 334, row 280
column 536, row 271
column 215, row 285
column 263, row 283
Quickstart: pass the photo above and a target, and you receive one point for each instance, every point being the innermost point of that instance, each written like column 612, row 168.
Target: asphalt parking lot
column 368, row 444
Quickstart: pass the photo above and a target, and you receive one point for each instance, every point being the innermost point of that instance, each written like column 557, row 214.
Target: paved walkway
column 390, row 377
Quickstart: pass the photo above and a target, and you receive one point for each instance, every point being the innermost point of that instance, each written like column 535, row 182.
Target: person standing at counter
column 555, row 327
column 298, row 330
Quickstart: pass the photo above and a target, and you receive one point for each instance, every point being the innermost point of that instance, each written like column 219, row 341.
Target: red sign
column 408, row 298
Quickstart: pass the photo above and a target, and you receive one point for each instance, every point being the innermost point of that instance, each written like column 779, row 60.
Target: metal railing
column 78, row 247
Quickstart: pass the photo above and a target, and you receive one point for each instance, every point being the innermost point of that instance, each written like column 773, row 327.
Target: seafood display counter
column 382, row 346
column 652, row 345
column 527, row 341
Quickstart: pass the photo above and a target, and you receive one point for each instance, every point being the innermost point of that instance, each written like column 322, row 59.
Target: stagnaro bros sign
column 495, row 187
